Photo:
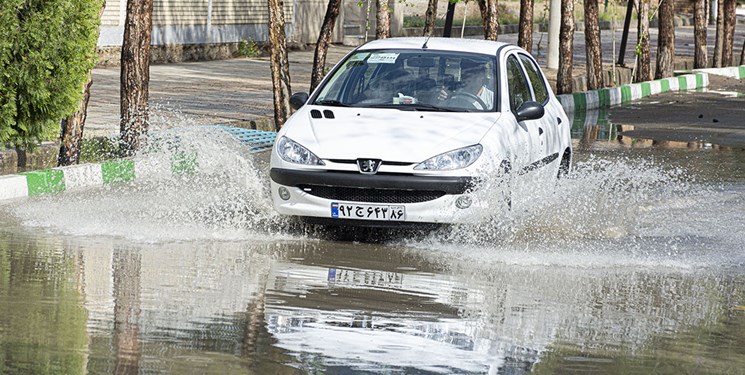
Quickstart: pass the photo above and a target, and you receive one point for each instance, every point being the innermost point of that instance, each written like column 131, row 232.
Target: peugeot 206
column 408, row 129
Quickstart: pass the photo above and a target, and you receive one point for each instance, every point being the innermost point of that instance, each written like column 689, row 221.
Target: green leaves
column 47, row 49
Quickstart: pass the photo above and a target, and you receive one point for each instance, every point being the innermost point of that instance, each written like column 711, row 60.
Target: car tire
column 565, row 165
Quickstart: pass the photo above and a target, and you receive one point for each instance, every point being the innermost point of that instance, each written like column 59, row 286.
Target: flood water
column 634, row 264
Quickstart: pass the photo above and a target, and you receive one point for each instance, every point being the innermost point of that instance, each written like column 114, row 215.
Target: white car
column 410, row 129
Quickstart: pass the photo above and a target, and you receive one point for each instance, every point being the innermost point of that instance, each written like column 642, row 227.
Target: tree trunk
column 592, row 45
column 71, row 134
column 383, row 20
column 429, row 18
column 525, row 33
column 666, row 40
column 279, row 63
column 720, row 35
column 135, row 75
column 643, row 69
column 742, row 54
column 564, row 84
column 700, row 58
column 488, row 10
column 728, row 43
column 322, row 46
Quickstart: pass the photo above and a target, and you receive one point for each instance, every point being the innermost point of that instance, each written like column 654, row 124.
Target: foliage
column 96, row 150
column 248, row 48
column 46, row 50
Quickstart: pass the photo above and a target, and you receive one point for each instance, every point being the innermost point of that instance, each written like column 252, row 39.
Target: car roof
column 436, row 43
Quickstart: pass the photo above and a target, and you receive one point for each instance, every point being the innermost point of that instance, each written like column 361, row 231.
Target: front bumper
column 395, row 189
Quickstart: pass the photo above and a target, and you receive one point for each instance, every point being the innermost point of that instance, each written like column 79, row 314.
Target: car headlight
column 293, row 152
column 455, row 159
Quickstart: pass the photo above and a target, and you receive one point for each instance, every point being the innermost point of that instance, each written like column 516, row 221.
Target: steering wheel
column 467, row 97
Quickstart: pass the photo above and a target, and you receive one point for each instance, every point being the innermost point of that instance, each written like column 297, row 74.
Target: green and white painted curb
column 608, row 97
column 57, row 180
column 732, row 72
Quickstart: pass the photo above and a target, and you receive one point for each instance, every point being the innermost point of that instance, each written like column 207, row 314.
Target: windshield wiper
column 412, row 107
column 332, row 103
column 428, row 107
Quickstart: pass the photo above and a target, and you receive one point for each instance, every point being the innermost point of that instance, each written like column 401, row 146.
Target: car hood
column 387, row 134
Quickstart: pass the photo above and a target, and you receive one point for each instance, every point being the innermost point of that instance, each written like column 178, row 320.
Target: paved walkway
column 238, row 91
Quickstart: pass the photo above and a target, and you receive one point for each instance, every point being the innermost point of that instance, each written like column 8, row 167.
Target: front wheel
column 565, row 165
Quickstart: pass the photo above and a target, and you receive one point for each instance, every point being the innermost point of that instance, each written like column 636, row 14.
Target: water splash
column 612, row 211
column 192, row 183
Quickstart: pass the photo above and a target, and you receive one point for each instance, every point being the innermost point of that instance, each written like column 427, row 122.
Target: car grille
column 371, row 195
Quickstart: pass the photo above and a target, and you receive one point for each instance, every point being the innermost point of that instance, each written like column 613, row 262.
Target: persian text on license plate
column 367, row 211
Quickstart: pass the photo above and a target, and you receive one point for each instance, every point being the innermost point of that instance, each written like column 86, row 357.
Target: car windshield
column 413, row 80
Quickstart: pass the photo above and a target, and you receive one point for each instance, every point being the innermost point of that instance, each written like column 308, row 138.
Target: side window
column 536, row 79
column 517, row 84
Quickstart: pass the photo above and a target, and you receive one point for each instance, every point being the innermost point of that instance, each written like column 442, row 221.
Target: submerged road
column 714, row 117
column 632, row 264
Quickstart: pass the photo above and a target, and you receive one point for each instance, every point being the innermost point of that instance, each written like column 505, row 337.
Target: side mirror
column 529, row 110
column 298, row 100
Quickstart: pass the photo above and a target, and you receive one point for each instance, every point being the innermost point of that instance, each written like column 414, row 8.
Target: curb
column 732, row 71
column 586, row 108
column 608, row 97
column 60, row 179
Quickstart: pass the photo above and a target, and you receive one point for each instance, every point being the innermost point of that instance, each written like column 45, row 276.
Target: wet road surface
column 633, row 264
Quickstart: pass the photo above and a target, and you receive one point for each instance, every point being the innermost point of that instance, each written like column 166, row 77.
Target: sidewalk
column 239, row 91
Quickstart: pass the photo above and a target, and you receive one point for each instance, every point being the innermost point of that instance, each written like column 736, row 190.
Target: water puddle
column 631, row 263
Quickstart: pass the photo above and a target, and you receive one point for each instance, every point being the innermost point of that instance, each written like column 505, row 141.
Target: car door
column 549, row 125
column 519, row 92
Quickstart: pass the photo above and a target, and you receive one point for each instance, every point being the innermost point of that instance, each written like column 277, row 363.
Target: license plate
column 367, row 211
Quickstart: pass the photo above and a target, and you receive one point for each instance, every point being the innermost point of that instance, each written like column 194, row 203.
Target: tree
column 383, row 20
column 665, row 40
column 279, row 63
column 592, row 46
column 700, row 58
column 46, row 50
column 742, row 54
column 525, row 28
column 730, row 7
column 429, row 18
column 719, row 43
column 564, row 83
column 71, row 133
column 135, row 75
column 643, row 69
column 322, row 46
column 489, row 14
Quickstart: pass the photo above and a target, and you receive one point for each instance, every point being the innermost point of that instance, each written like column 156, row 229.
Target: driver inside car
column 472, row 88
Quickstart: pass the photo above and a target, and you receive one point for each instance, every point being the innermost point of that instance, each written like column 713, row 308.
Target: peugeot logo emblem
column 368, row 166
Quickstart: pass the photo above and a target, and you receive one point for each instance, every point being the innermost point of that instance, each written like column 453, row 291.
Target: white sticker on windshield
column 383, row 58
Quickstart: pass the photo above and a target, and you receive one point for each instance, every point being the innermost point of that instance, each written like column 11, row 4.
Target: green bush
column 46, row 50
column 248, row 48
column 97, row 150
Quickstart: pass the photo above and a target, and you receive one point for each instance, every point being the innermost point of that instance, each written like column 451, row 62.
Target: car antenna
column 424, row 46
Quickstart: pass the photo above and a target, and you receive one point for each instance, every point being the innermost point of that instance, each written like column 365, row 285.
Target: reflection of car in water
column 408, row 129
column 379, row 320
